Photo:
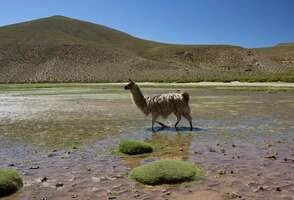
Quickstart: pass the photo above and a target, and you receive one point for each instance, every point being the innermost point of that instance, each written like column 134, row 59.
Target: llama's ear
column 131, row 80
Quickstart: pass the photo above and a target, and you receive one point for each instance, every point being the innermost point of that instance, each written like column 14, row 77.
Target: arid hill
column 61, row 49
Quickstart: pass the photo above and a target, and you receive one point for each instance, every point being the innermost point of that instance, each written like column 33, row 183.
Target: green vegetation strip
column 10, row 182
column 133, row 147
column 166, row 172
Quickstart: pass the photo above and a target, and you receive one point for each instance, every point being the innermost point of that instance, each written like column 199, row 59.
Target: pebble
column 35, row 167
column 59, row 185
column 252, row 184
column 51, row 154
column 118, row 176
column 164, row 191
column 136, row 195
column 278, row 189
column 273, row 157
column 44, row 179
column 212, row 150
column 213, row 184
column 221, row 172
column 168, row 193
column 261, row 188
column 234, row 195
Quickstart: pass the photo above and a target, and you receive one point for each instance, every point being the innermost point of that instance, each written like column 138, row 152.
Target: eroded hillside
column 60, row 49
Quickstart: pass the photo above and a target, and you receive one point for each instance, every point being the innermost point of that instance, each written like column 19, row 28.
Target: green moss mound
column 166, row 172
column 133, row 147
column 10, row 182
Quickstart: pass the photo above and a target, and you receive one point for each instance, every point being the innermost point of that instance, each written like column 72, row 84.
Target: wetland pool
column 63, row 141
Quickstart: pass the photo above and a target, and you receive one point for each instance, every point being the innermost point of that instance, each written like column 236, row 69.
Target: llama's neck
column 139, row 99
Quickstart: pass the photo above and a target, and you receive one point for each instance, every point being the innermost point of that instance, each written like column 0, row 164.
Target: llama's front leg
column 153, row 125
column 154, row 119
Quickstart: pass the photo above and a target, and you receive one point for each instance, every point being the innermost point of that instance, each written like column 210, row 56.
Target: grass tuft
column 133, row 147
column 10, row 182
column 166, row 171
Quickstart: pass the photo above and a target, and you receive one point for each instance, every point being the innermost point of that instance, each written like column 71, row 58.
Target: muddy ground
column 63, row 141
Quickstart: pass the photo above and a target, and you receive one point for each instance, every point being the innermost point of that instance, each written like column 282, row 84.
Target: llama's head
column 130, row 85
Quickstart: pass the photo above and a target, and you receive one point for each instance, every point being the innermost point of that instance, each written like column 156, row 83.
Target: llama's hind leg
column 189, row 118
column 162, row 124
column 178, row 120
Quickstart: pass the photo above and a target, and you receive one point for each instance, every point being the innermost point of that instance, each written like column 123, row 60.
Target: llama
column 161, row 105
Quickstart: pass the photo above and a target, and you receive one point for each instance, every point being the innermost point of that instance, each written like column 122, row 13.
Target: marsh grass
column 133, row 147
column 85, row 88
column 166, row 171
column 10, row 182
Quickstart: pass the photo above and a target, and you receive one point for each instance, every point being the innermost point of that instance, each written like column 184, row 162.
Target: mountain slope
column 61, row 49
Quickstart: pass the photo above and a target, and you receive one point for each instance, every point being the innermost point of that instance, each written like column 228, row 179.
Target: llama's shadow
column 179, row 129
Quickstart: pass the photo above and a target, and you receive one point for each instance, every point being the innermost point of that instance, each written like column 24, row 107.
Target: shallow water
column 244, row 140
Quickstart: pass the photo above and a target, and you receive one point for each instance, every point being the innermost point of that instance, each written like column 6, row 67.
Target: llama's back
column 165, row 104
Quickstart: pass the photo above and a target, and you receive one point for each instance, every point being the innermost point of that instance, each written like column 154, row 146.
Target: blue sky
column 248, row 23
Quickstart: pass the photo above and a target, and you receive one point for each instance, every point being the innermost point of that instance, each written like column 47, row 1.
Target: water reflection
column 166, row 145
column 178, row 130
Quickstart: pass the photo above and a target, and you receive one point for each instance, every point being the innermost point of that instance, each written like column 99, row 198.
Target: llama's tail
column 186, row 97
